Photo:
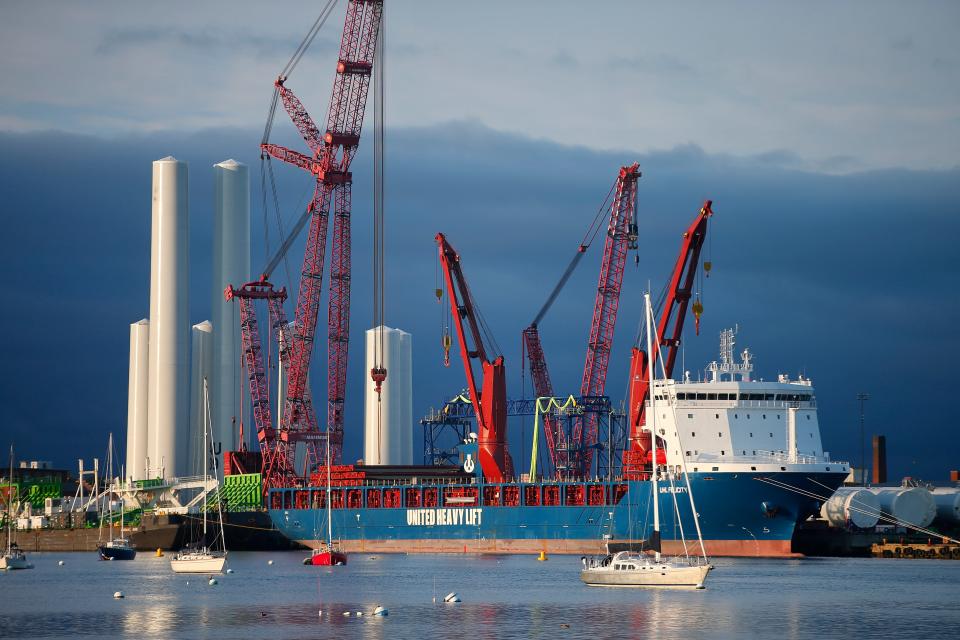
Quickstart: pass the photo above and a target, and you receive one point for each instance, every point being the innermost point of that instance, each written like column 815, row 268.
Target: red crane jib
column 543, row 388
column 329, row 163
column 490, row 401
column 670, row 330
column 605, row 310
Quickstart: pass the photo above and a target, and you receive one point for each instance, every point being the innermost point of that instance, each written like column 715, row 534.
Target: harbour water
column 502, row 597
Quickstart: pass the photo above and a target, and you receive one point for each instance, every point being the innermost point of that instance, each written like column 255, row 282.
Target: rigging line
column 271, row 116
column 308, row 39
column 263, row 192
column 596, row 225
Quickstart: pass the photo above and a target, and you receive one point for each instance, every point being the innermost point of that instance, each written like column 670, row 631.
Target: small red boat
column 327, row 556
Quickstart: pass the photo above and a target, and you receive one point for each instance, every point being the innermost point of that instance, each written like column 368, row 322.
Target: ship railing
column 772, row 456
column 744, row 404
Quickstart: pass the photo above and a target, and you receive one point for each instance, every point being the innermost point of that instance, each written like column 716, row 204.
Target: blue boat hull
column 741, row 514
column 116, row 553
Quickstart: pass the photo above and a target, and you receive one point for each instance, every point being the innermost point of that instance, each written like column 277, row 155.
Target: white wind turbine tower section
column 137, row 391
column 388, row 424
column 201, row 362
column 231, row 265
column 169, row 342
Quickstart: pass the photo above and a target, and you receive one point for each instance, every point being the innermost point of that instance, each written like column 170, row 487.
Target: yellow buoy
column 159, row 552
column 542, row 556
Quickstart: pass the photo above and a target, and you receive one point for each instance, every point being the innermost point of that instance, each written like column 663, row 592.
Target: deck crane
column 331, row 152
column 669, row 330
column 574, row 457
column 491, row 400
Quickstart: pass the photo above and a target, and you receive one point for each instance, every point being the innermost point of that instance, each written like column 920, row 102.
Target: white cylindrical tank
column 202, row 336
column 388, row 421
column 908, row 505
column 137, row 391
column 168, row 402
column 231, row 266
column 851, row 505
column 947, row 500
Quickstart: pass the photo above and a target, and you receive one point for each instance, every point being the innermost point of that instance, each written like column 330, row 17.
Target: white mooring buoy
column 270, row 562
column 381, row 611
column 346, row 613
column 452, row 597
column 212, row 581
column 61, row 563
column 229, row 570
column 118, row 594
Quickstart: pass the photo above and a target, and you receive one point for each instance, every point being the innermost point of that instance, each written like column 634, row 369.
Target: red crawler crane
column 621, row 236
column 491, row 401
column 331, row 154
column 674, row 309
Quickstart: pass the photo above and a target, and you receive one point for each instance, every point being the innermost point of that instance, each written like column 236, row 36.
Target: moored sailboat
column 198, row 556
column 631, row 569
column 329, row 554
column 115, row 548
column 13, row 557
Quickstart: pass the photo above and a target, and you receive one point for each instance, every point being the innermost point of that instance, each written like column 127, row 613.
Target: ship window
column 719, row 434
column 695, row 468
column 688, row 454
column 717, row 416
column 769, row 396
column 771, row 434
column 764, row 416
column 808, row 417
column 689, row 415
column 754, row 453
column 778, row 416
column 736, row 415
column 693, row 434
column 716, row 468
column 723, row 453
column 748, row 416
column 753, row 468
column 701, row 396
column 811, row 435
column 751, row 434
column 744, row 452
column 711, row 396
column 681, row 396
column 783, row 468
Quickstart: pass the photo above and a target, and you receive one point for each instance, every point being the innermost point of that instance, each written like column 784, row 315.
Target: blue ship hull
column 741, row 514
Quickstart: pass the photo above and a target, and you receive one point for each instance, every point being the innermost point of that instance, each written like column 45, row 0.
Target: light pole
column 863, row 397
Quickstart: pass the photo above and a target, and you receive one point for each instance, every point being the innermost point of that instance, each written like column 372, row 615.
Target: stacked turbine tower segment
column 137, row 391
column 201, row 357
column 388, row 424
column 231, row 264
column 169, row 346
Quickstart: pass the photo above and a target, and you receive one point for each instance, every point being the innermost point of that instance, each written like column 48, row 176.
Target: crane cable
column 378, row 373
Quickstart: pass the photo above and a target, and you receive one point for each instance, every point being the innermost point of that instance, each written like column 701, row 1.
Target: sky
column 827, row 135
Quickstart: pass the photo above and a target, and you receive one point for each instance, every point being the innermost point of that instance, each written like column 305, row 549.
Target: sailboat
column 119, row 548
column 631, row 569
column 198, row 557
column 329, row 554
column 13, row 558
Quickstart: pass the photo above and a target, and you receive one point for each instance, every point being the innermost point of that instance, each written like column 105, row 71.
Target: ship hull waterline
column 741, row 515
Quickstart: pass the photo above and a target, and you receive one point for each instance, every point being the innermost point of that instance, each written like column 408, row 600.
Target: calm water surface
column 503, row 597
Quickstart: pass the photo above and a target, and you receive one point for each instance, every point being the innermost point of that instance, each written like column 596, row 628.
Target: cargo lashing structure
column 331, row 152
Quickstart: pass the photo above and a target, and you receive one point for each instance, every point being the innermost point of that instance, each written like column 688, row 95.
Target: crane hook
column 378, row 375
column 447, row 341
column 697, row 312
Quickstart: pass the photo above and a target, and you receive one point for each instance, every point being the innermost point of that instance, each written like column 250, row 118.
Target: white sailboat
column 13, row 558
column 631, row 569
column 201, row 558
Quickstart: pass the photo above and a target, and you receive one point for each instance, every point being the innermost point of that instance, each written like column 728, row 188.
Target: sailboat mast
column 652, row 421
column 10, row 503
column 203, row 507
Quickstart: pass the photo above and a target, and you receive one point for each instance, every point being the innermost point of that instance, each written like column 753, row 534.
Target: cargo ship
column 752, row 450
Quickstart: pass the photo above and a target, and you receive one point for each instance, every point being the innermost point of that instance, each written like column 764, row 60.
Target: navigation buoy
column 542, row 556
column 159, row 552
column 61, row 563
column 229, row 570
column 212, row 581
column 118, row 594
column 270, row 562
column 452, row 597
column 381, row 612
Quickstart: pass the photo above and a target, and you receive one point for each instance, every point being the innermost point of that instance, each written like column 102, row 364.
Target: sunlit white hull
column 649, row 574
column 198, row 563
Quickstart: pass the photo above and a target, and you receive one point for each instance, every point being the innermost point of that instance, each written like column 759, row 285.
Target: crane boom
column 490, row 400
column 620, row 234
column 669, row 330
column 332, row 153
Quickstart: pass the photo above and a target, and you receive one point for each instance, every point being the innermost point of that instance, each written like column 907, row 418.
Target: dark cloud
column 848, row 279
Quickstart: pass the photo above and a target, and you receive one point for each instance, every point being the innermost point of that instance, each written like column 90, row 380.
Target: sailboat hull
column 327, row 558
column 198, row 563
column 116, row 553
column 653, row 576
column 13, row 562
